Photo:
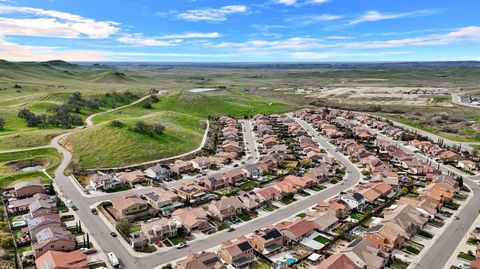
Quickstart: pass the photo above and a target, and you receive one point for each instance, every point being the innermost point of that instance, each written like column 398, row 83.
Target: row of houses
column 42, row 227
column 229, row 148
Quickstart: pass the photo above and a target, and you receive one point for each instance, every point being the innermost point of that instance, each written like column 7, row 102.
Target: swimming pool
column 290, row 261
column 357, row 231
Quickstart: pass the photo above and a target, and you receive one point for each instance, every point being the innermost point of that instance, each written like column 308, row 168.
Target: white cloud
column 16, row 52
column 465, row 34
column 139, row 40
column 462, row 35
column 212, row 14
column 286, row 2
column 317, row 1
column 51, row 23
column 192, row 35
column 374, row 15
column 312, row 19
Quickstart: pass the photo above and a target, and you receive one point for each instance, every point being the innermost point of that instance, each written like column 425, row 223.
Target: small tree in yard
column 123, row 226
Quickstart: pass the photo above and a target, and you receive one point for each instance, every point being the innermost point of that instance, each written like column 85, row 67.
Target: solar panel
column 244, row 246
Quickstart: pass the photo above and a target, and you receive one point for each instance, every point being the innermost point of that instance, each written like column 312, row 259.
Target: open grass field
column 14, row 166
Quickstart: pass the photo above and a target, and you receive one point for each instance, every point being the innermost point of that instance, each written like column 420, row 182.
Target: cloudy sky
column 240, row 30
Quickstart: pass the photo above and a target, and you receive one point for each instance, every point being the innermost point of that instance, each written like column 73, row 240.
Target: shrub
column 147, row 105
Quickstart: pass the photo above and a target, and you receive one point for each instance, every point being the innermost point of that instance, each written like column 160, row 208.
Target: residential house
column 62, row 260
column 28, row 188
column 407, row 217
column 104, row 182
column 296, row 230
column 449, row 156
column 131, row 178
column 52, row 238
column 354, row 200
column 181, row 166
column 467, row 165
column 365, row 255
column 37, row 224
column 268, row 194
column 232, row 146
column 268, row 241
column 204, row 260
column 159, row 229
column 234, row 176
column 190, row 191
column 337, row 208
column 324, row 220
column 158, row 172
column 426, row 206
column 129, row 206
column 253, row 171
column 249, row 200
column 214, row 182
column 338, row 261
column 238, row 252
column 21, row 205
column 202, row 162
column 160, row 198
column 386, row 236
column 42, row 207
column 225, row 208
column 192, row 218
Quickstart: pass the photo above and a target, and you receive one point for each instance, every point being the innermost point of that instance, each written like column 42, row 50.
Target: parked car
column 181, row 245
column 114, row 234
column 231, row 229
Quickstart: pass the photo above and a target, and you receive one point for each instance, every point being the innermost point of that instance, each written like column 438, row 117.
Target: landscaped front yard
column 286, row 200
column 177, row 240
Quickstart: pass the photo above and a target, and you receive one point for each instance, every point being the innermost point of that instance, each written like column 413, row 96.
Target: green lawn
column 321, row 239
column 247, row 185
column 466, row 256
column 177, row 240
column 245, row 216
column 25, row 248
column 399, row 265
column 287, row 200
column 134, row 228
column 301, row 215
column 357, row 216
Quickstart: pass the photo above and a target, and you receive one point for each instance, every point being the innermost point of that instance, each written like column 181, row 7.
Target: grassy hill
column 105, row 146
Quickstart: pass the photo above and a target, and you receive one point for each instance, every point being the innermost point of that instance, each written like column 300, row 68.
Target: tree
column 147, row 105
column 2, row 124
column 123, row 226
column 75, row 102
column 93, row 104
column 158, row 128
column 116, row 123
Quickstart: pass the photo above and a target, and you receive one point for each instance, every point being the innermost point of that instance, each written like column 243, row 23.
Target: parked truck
column 113, row 260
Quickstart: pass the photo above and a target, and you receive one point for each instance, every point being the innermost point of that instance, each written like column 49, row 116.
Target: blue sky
column 235, row 30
